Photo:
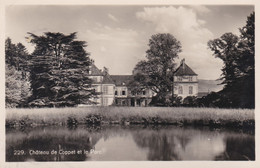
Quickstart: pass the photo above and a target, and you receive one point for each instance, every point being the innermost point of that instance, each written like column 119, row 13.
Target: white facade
column 185, row 81
column 185, row 89
column 114, row 90
column 106, row 97
column 121, row 91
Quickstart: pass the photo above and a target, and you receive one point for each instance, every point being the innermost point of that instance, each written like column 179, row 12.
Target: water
column 129, row 143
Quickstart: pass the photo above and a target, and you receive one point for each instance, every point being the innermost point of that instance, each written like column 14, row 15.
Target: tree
column 238, row 72
column 59, row 70
column 16, row 55
column 157, row 71
column 10, row 52
column 190, row 101
column 17, row 84
column 17, row 89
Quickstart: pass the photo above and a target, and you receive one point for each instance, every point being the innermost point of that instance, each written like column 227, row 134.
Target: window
column 116, row 92
column 144, row 92
column 179, row 78
column 123, row 92
column 190, row 90
column 180, row 90
column 123, row 102
column 105, row 90
column 190, row 78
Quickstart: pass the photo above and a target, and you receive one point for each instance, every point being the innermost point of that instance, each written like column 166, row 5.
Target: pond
column 128, row 143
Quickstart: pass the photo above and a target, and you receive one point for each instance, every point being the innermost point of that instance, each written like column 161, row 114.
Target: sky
column 118, row 35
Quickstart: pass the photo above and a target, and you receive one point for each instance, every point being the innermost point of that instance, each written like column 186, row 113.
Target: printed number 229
column 19, row 152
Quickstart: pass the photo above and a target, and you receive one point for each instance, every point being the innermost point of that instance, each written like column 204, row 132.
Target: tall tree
column 16, row 55
column 10, row 53
column 17, row 84
column 238, row 72
column 59, row 70
column 157, row 71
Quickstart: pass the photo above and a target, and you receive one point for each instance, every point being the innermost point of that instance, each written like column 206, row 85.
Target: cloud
column 119, row 48
column 181, row 22
column 112, row 17
column 184, row 24
column 200, row 9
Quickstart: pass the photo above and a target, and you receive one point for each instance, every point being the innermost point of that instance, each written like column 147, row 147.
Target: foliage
column 190, row 101
column 157, row 71
column 17, row 89
column 16, row 56
column 17, row 84
column 238, row 72
column 59, row 71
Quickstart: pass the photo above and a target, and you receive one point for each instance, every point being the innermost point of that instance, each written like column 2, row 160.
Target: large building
column 117, row 90
column 124, row 94
column 185, row 81
column 104, row 85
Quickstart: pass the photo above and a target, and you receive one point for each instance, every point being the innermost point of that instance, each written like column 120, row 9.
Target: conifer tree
column 59, row 71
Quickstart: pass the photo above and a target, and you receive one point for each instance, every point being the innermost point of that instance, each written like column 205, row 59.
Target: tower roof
column 94, row 71
column 184, row 69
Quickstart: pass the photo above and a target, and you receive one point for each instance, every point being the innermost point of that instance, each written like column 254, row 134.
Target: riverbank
column 213, row 117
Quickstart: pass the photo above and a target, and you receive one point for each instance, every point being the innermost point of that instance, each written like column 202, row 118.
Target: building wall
column 141, row 99
column 186, row 86
column 121, row 91
column 186, row 78
column 96, row 78
column 106, row 97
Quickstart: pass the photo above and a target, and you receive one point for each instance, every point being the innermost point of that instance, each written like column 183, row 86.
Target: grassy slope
column 137, row 115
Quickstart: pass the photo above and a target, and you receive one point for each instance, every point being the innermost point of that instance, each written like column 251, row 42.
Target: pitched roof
column 107, row 79
column 121, row 80
column 184, row 69
column 94, row 71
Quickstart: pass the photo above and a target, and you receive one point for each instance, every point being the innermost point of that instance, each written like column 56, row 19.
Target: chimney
column 183, row 63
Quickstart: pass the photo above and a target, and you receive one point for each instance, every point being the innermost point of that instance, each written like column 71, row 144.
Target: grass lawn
column 130, row 115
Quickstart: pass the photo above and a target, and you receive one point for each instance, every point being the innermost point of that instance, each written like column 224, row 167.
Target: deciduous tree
column 157, row 70
column 238, row 72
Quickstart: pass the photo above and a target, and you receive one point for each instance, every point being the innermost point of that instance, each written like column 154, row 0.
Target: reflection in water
column 127, row 143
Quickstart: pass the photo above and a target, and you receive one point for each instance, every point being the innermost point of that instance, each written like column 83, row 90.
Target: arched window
column 180, row 90
column 190, row 90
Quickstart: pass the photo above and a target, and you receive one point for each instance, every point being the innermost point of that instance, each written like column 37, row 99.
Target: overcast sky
column 117, row 36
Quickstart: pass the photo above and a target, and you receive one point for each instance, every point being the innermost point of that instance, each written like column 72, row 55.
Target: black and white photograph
column 139, row 82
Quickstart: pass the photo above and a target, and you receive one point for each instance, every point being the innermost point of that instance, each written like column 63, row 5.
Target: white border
column 120, row 164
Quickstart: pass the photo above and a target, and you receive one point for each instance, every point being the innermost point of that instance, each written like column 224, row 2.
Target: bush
column 93, row 119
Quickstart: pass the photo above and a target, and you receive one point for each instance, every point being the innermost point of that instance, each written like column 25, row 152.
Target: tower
column 185, row 81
